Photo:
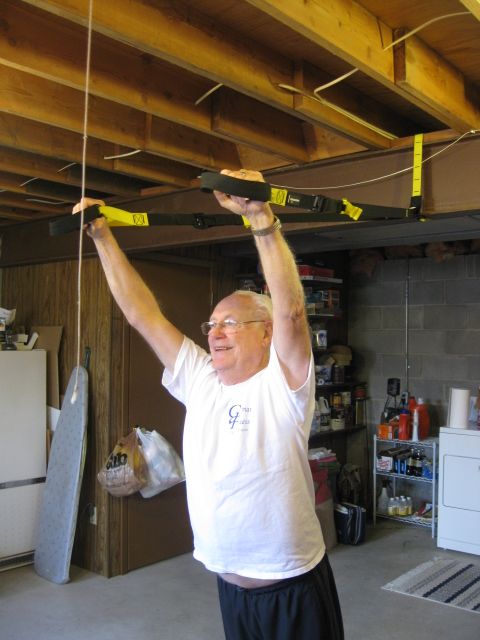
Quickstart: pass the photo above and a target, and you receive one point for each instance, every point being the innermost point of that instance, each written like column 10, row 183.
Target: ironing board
column 58, row 515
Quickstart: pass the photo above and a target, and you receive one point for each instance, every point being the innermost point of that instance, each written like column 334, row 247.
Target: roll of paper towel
column 458, row 408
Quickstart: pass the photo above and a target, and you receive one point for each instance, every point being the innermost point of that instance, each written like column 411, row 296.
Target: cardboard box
column 324, row 512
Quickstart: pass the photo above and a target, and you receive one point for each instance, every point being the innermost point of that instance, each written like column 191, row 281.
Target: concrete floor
column 177, row 599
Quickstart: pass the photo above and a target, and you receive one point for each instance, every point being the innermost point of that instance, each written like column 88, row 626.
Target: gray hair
column 262, row 302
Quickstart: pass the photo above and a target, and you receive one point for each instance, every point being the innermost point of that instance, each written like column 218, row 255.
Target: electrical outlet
column 93, row 514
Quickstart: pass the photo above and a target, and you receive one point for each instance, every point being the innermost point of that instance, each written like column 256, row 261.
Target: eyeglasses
column 228, row 326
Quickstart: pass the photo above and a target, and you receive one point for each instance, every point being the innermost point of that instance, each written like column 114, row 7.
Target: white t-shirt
column 249, row 486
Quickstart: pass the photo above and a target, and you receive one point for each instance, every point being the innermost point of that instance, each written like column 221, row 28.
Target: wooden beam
column 435, row 86
column 33, row 137
column 9, row 214
column 346, row 29
column 314, row 110
column 352, row 100
column 22, row 202
column 197, row 45
column 44, row 101
column 38, row 188
column 323, row 144
column 119, row 75
column 473, row 6
column 149, row 167
column 14, row 161
column 284, row 135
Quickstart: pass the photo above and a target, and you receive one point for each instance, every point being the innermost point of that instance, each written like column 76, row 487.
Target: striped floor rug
column 442, row 580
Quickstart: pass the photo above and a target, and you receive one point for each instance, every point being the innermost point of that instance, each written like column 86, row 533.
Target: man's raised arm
column 132, row 295
column 291, row 336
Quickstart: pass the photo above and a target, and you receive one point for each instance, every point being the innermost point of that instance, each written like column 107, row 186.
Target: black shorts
column 305, row 607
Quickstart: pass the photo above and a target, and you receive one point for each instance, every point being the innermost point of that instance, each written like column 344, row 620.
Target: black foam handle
column 66, row 224
column 251, row 189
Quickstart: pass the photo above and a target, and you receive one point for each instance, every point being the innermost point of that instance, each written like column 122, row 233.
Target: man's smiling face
column 239, row 354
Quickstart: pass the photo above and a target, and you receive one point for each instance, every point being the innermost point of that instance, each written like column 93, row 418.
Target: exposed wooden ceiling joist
column 177, row 86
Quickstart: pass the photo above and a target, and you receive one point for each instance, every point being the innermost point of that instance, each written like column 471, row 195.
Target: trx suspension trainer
column 319, row 208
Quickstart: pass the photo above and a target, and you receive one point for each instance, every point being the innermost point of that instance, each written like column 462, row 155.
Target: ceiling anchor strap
column 416, row 199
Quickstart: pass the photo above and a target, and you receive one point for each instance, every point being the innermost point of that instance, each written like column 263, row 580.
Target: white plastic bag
column 165, row 467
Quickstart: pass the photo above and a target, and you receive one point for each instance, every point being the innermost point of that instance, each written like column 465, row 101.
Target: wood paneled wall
column 46, row 294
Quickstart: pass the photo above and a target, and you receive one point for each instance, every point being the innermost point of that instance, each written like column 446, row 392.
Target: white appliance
column 459, row 490
column 23, row 413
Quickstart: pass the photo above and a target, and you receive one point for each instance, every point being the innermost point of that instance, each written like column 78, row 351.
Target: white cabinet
column 459, row 490
column 22, row 450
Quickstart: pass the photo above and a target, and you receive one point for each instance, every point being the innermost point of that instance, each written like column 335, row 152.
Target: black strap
column 321, row 208
column 67, row 224
column 317, row 204
column 212, row 181
column 253, row 190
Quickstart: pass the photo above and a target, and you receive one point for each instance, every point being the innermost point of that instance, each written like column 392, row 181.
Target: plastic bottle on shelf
column 402, row 506
column 392, row 507
column 423, row 419
column 404, row 425
column 415, row 428
column 383, row 500
column 409, row 506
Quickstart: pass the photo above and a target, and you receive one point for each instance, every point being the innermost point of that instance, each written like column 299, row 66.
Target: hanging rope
column 84, row 172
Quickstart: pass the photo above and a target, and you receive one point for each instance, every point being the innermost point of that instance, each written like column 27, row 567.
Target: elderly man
column 249, row 405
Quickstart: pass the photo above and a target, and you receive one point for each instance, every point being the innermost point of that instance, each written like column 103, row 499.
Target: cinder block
column 462, row 291
column 391, row 341
column 393, row 366
column 473, row 266
column 364, row 361
column 381, row 294
column 427, row 292
column 416, row 269
column 394, row 270
column 443, row 367
column 361, row 318
column 462, row 342
column 446, row 317
column 395, row 317
column 425, row 342
column 473, row 316
column 453, row 269
column 473, row 368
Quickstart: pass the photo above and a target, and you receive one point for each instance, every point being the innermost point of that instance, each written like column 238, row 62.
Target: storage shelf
column 428, row 442
column 350, row 384
column 335, row 432
column 431, row 483
column 403, row 476
column 415, row 520
column 321, row 279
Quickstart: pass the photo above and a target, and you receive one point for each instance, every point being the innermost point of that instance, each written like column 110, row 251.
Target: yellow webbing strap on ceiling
column 417, row 165
column 416, row 199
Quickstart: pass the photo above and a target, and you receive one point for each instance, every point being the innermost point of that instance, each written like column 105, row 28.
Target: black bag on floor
column 350, row 523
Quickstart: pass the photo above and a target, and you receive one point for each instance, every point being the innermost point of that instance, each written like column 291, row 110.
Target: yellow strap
column 351, row 210
column 120, row 218
column 417, row 164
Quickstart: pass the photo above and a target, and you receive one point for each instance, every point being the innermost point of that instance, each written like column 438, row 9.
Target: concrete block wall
column 443, row 330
